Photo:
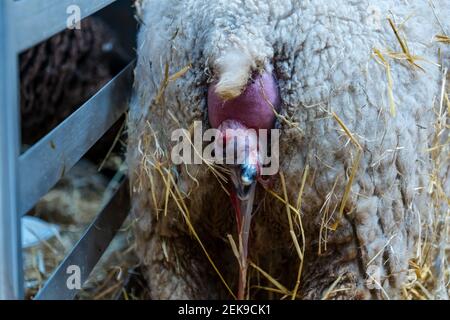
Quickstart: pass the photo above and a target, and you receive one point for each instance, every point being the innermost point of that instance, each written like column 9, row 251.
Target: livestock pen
column 27, row 177
column 337, row 113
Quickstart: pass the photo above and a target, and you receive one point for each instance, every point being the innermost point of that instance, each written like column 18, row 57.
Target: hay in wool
column 362, row 87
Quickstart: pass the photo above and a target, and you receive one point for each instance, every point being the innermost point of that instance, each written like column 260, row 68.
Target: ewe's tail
column 234, row 68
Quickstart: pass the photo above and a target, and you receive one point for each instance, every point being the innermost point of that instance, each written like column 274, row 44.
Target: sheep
column 362, row 90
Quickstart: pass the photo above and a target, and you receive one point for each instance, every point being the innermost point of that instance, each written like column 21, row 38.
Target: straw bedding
column 359, row 209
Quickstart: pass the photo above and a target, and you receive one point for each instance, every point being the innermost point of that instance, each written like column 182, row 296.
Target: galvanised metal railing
column 25, row 178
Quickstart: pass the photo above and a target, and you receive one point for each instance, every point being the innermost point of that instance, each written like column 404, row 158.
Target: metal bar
column 90, row 248
column 38, row 20
column 50, row 158
column 11, row 272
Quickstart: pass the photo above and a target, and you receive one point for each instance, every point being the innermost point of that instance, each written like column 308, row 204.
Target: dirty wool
column 363, row 183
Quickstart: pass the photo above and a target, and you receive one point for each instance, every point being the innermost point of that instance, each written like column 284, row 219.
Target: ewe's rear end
column 362, row 149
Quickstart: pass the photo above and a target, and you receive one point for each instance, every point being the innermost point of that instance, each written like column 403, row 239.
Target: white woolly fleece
column 322, row 54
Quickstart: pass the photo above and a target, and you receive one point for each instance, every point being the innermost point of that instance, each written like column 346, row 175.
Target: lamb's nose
column 254, row 107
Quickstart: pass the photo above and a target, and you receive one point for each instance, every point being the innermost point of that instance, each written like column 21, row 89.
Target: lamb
column 362, row 89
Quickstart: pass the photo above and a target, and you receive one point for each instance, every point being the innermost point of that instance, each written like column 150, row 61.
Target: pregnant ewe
column 357, row 90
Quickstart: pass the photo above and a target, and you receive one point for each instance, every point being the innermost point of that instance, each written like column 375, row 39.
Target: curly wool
column 322, row 54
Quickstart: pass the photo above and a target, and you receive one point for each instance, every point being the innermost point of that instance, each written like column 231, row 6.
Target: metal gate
column 25, row 178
